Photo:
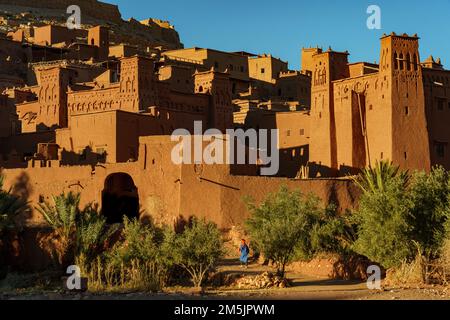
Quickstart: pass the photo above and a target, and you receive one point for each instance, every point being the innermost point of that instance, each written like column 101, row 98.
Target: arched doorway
column 119, row 198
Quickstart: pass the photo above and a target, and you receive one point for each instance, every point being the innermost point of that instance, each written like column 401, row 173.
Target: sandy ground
column 303, row 287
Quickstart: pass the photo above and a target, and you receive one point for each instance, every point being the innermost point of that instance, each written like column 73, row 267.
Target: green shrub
column 400, row 215
column 140, row 242
column 383, row 225
column 334, row 233
column 92, row 233
column 429, row 194
column 143, row 254
column 281, row 227
column 197, row 249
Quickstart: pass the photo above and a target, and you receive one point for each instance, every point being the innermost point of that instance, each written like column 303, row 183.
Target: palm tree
column 371, row 180
column 81, row 232
column 10, row 207
column 61, row 215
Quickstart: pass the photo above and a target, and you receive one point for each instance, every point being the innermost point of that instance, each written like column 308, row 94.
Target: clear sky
column 283, row 27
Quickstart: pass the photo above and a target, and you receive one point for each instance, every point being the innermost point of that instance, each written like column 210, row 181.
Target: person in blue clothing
column 244, row 250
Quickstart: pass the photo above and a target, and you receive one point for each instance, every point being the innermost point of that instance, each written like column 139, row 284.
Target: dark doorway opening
column 120, row 198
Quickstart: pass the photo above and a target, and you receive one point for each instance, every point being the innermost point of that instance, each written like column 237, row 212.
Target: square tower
column 403, row 103
column 99, row 37
column 137, row 84
column 328, row 67
column 218, row 86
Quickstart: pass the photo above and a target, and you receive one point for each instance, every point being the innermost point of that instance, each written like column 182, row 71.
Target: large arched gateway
column 120, row 198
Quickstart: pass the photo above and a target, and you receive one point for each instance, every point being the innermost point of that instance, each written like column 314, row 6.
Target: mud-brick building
column 397, row 112
column 103, row 129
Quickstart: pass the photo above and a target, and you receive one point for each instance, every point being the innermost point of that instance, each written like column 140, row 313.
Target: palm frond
column 377, row 178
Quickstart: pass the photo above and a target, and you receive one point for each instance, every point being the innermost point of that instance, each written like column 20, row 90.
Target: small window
column 302, row 132
column 288, row 133
column 293, row 154
column 408, row 61
column 401, row 60
column 406, row 155
column 263, row 70
column 440, row 149
column 406, row 110
column 382, row 156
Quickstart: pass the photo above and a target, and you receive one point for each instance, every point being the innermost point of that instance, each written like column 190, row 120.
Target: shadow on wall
column 42, row 127
column 292, row 160
column 86, row 157
column 21, row 245
column 348, row 171
column 181, row 222
column 22, row 187
column 317, row 170
column 31, row 248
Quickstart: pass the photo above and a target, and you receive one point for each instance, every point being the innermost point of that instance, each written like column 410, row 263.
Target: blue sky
column 283, row 27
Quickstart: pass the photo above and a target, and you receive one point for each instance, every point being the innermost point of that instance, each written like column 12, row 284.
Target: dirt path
column 307, row 287
column 304, row 287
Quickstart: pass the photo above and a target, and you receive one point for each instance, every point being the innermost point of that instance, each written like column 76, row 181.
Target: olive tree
column 281, row 225
column 197, row 249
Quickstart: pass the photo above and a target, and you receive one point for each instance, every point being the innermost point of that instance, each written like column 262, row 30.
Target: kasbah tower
column 358, row 119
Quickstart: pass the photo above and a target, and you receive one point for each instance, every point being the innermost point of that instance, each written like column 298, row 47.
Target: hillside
column 149, row 33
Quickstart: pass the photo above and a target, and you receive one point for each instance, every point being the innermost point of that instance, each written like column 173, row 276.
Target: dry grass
column 408, row 274
column 421, row 271
column 106, row 277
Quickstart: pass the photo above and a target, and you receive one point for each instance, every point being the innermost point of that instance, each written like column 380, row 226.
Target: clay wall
column 266, row 68
column 23, row 144
column 353, row 111
column 293, row 86
column 307, row 62
column 180, row 78
column 168, row 192
column 437, row 102
column 236, row 64
column 51, row 34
